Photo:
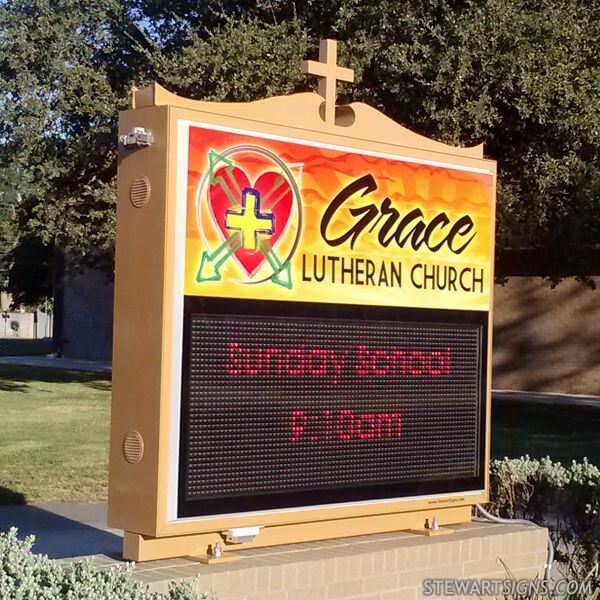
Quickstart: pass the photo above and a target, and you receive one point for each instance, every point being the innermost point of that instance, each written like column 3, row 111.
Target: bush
column 28, row 576
column 566, row 499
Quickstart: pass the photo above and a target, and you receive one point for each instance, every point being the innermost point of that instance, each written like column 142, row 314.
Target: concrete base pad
column 375, row 567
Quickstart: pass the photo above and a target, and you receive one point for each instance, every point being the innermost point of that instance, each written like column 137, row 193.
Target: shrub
column 566, row 499
column 28, row 576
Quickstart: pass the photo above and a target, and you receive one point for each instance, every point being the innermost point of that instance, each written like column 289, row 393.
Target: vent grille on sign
column 133, row 447
column 140, row 192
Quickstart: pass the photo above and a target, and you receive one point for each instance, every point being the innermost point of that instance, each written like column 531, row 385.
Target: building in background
column 23, row 324
column 83, row 307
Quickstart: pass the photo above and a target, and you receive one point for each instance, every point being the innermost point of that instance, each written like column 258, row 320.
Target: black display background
column 236, row 448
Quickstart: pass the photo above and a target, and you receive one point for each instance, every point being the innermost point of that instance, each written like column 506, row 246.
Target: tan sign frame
column 141, row 476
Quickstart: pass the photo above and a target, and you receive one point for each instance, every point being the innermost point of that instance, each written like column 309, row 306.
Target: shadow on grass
column 101, row 386
column 10, row 497
column 11, row 386
column 25, row 347
column 63, row 531
column 564, row 433
column 16, row 377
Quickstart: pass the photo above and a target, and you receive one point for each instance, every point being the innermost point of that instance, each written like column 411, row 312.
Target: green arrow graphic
column 282, row 272
column 211, row 263
column 213, row 159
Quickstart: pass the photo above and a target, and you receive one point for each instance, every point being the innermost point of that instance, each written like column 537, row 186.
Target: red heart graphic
column 274, row 198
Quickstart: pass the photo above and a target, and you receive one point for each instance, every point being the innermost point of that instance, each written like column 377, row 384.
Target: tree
column 8, row 224
column 521, row 76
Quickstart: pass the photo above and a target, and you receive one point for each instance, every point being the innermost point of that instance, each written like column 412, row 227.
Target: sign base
column 432, row 532
column 395, row 564
column 207, row 559
column 140, row 548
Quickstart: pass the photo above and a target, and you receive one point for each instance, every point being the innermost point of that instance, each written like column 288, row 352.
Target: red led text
column 345, row 425
column 305, row 361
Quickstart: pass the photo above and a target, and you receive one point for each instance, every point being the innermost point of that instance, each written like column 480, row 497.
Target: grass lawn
column 55, row 427
column 53, row 435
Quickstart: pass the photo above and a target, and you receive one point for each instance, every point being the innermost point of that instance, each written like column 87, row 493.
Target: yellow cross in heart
column 250, row 221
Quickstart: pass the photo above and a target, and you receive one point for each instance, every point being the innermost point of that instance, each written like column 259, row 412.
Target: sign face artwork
column 335, row 323
column 282, row 220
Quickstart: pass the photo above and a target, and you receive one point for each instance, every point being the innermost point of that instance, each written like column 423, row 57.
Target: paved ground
column 550, row 398
column 64, row 530
column 50, row 361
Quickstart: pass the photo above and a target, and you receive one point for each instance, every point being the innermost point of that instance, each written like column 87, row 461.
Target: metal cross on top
column 330, row 73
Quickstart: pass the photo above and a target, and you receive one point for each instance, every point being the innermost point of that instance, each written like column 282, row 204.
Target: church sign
column 302, row 323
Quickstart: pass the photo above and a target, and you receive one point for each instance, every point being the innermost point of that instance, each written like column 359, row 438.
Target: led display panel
column 283, row 411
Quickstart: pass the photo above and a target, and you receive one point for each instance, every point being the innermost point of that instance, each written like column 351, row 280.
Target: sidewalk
column 51, row 362
column 64, row 530
column 546, row 398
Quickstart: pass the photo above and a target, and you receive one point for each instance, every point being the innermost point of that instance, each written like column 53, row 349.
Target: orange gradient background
column 321, row 174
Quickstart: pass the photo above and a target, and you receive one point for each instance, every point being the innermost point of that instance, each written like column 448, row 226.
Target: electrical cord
column 491, row 517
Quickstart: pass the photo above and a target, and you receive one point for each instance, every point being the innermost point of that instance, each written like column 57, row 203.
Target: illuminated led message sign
column 335, row 324
column 302, row 324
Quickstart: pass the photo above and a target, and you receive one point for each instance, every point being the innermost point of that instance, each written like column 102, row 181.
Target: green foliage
column 8, row 223
column 566, row 499
column 29, row 270
column 27, row 575
column 519, row 76
column 223, row 64
column 61, row 89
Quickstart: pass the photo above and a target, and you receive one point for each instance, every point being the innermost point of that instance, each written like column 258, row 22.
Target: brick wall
column 545, row 339
column 378, row 567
